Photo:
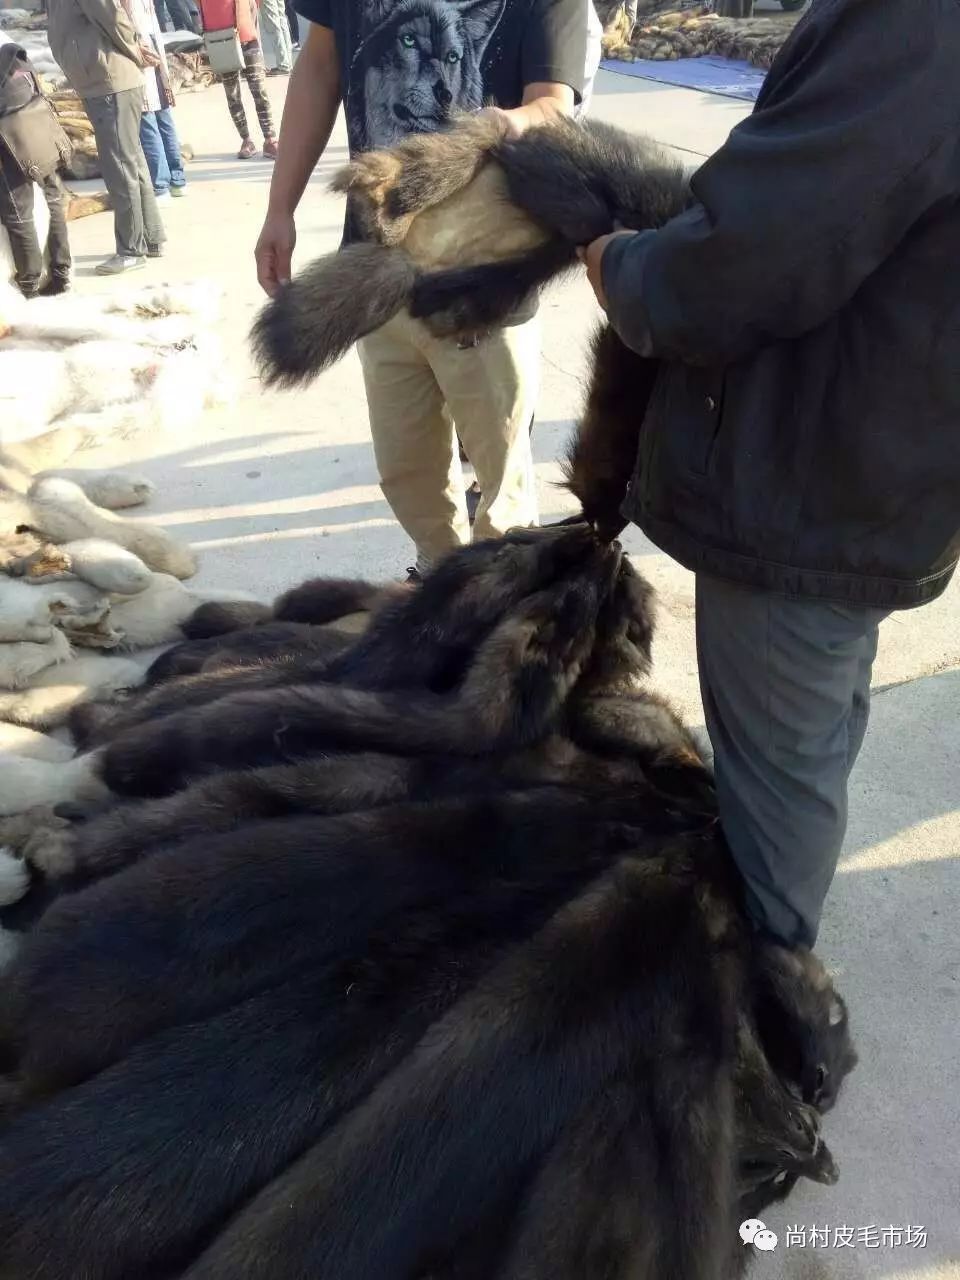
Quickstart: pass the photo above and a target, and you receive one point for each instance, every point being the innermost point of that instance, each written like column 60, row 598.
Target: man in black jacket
column 32, row 146
column 801, row 451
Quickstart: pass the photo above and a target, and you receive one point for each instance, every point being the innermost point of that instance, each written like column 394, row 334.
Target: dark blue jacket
column 804, row 435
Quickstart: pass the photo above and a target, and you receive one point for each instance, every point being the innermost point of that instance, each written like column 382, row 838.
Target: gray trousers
column 116, row 125
column 786, row 693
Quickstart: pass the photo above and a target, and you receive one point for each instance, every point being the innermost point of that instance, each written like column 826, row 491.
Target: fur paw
column 52, row 849
column 14, row 878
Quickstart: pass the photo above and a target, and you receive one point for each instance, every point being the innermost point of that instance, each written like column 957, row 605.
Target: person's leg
column 16, row 214
column 58, row 242
column 171, row 148
column 161, row 11
column 181, row 16
column 231, row 87
column 273, row 20
column 129, row 114
column 293, row 22
column 413, row 440
column 255, row 75
column 785, row 687
column 153, row 152
column 491, row 391
column 119, row 165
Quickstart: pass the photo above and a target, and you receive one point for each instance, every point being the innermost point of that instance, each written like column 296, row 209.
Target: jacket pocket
column 704, row 412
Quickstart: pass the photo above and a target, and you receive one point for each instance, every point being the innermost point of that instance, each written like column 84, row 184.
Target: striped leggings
column 254, row 73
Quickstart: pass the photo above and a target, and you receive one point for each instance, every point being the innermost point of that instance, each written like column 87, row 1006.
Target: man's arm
column 309, row 114
column 115, row 25
column 808, row 197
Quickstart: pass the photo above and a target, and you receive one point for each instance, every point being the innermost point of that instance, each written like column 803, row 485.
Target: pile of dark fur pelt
column 409, row 955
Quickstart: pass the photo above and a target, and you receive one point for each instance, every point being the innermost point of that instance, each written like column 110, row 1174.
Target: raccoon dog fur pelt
column 428, row 964
column 463, row 228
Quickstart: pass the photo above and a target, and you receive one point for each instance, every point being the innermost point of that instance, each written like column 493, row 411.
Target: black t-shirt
column 407, row 65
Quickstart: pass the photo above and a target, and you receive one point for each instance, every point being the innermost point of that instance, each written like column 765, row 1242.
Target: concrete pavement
column 282, row 486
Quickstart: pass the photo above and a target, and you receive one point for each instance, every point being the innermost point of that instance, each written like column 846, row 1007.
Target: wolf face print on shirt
column 418, row 64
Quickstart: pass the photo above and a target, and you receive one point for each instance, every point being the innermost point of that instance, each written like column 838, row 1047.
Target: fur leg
column 114, row 490
column 601, row 457
column 61, row 510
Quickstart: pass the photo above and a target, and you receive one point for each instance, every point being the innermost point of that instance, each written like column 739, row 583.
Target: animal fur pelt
column 426, row 995
column 95, row 367
column 46, row 696
column 467, row 225
column 60, row 511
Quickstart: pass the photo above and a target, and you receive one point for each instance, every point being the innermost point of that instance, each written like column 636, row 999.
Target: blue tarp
column 709, row 75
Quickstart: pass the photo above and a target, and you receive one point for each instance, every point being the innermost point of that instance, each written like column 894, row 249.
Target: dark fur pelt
column 563, row 185
column 456, row 986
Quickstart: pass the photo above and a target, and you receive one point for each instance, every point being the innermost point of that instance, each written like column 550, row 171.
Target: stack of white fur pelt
column 78, row 585
column 108, row 366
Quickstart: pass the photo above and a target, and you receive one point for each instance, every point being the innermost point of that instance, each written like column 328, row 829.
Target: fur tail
column 323, row 600
column 219, row 617
column 317, row 318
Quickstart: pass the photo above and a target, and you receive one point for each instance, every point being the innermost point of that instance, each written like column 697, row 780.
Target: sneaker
column 279, row 71
column 154, row 250
column 178, row 192
column 163, row 197
column 247, row 150
column 55, row 286
column 119, row 263
column 271, row 148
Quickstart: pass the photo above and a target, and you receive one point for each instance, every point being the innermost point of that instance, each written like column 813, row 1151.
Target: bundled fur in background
column 440, row 970
column 464, row 228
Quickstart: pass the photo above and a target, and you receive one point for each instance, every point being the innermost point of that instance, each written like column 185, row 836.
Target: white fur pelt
column 30, row 611
column 32, row 784
column 52, row 694
column 146, row 359
column 106, row 566
column 153, row 617
column 60, row 511
column 23, row 662
column 18, row 740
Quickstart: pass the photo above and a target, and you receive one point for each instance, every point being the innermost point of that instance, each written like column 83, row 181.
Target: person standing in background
column 158, row 133
column 217, row 15
column 276, row 28
column 400, row 66
column 32, row 147
column 97, row 47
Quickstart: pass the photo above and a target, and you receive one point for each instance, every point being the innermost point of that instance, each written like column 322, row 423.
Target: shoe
column 55, row 286
column 154, row 250
column 473, row 496
column 279, row 71
column 178, row 192
column 163, row 197
column 119, row 263
column 271, row 148
column 247, row 150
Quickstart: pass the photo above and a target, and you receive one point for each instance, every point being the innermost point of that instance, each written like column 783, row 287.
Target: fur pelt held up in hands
column 466, row 227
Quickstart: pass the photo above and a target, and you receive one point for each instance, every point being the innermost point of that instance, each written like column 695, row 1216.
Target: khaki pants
column 417, row 387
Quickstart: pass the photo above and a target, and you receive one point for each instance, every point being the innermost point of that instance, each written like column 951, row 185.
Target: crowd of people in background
column 113, row 55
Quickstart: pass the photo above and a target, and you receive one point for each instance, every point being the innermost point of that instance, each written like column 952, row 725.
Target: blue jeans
column 161, row 146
